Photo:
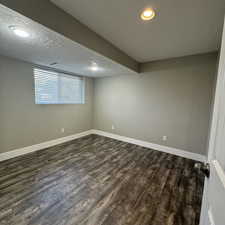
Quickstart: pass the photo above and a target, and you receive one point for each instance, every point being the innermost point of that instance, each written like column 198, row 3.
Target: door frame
column 206, row 217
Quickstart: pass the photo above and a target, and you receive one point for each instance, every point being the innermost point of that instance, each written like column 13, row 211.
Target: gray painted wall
column 170, row 97
column 22, row 122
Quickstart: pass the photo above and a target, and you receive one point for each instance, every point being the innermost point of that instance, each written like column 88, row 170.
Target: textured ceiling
column 44, row 47
column 180, row 27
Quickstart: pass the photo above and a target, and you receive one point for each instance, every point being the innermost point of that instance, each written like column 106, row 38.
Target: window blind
column 58, row 88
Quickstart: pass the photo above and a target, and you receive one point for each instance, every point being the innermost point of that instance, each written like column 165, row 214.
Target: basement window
column 58, row 88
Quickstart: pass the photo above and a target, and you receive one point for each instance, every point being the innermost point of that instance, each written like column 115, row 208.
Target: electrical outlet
column 113, row 127
column 164, row 138
column 62, row 130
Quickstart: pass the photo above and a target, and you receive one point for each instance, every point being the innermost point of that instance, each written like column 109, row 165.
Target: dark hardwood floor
column 99, row 181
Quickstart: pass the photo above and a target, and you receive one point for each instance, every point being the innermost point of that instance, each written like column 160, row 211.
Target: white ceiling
column 180, row 27
column 45, row 46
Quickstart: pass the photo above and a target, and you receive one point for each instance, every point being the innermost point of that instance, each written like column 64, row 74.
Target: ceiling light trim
column 148, row 14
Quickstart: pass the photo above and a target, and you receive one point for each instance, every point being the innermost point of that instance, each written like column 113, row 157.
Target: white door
column 213, row 209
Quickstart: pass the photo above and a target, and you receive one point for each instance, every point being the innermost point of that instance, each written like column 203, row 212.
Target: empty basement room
column 112, row 112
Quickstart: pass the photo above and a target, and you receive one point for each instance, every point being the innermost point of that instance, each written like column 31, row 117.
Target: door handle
column 203, row 168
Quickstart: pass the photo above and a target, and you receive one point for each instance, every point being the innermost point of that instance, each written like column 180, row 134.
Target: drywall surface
column 48, row 14
column 169, row 98
column 22, row 122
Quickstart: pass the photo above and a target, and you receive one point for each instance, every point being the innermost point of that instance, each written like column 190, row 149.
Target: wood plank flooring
column 99, row 181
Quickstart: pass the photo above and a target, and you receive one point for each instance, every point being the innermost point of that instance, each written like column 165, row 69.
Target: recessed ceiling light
column 19, row 31
column 94, row 67
column 148, row 14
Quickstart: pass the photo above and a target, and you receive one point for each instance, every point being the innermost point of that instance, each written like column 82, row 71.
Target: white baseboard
column 37, row 147
column 47, row 144
column 153, row 146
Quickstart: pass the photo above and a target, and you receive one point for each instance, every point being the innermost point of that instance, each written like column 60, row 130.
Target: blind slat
column 58, row 88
